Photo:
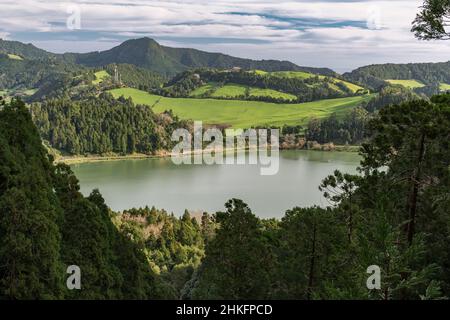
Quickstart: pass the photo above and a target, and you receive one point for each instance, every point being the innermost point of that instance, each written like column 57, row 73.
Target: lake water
column 161, row 183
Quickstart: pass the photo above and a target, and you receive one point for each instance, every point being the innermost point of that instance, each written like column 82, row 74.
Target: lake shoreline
column 78, row 159
column 163, row 183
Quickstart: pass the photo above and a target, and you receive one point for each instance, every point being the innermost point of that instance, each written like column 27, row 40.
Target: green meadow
column 258, row 92
column 411, row 84
column 444, row 86
column 243, row 114
column 210, row 87
column 14, row 56
column 230, row 90
column 100, row 76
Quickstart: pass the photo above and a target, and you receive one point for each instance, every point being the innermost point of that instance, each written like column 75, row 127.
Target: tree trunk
column 414, row 195
column 311, row 265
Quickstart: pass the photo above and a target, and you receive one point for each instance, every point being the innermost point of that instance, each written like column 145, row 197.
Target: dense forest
column 394, row 214
column 26, row 74
column 136, row 77
column 43, row 227
column 102, row 125
column 349, row 130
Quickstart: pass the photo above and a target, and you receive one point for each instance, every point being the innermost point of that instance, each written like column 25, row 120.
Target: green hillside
column 242, row 114
column 306, row 75
column 376, row 76
column 257, row 85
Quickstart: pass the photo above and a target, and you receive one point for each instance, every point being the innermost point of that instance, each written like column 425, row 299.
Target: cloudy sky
column 341, row 34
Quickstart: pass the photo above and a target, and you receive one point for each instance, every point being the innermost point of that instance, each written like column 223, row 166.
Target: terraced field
column 411, row 84
column 243, row 114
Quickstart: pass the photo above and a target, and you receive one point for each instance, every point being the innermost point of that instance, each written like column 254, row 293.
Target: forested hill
column 24, row 51
column 427, row 74
column 147, row 53
column 43, row 227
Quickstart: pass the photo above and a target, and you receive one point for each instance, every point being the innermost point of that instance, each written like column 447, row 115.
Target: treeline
column 136, row 77
column 352, row 129
column 173, row 246
column 101, row 125
column 309, row 89
column 390, row 95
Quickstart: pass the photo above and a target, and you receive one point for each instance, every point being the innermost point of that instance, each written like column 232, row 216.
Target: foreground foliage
column 393, row 215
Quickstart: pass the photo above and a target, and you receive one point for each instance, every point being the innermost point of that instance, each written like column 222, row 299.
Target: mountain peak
column 145, row 41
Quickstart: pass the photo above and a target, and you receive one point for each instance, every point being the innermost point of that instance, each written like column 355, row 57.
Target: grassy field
column 14, row 56
column 21, row 92
column 411, row 84
column 233, row 90
column 230, row 90
column 257, row 92
column 242, row 114
column 100, row 76
column 444, row 86
column 350, row 85
column 203, row 89
column 293, row 74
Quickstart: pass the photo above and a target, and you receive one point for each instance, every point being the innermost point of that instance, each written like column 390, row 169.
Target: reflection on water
column 160, row 183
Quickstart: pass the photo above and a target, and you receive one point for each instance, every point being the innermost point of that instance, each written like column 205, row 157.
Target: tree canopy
column 433, row 20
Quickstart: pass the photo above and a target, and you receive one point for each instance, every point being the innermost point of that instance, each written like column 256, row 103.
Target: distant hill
column 143, row 63
column 377, row 76
column 258, row 85
column 24, row 51
column 149, row 54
